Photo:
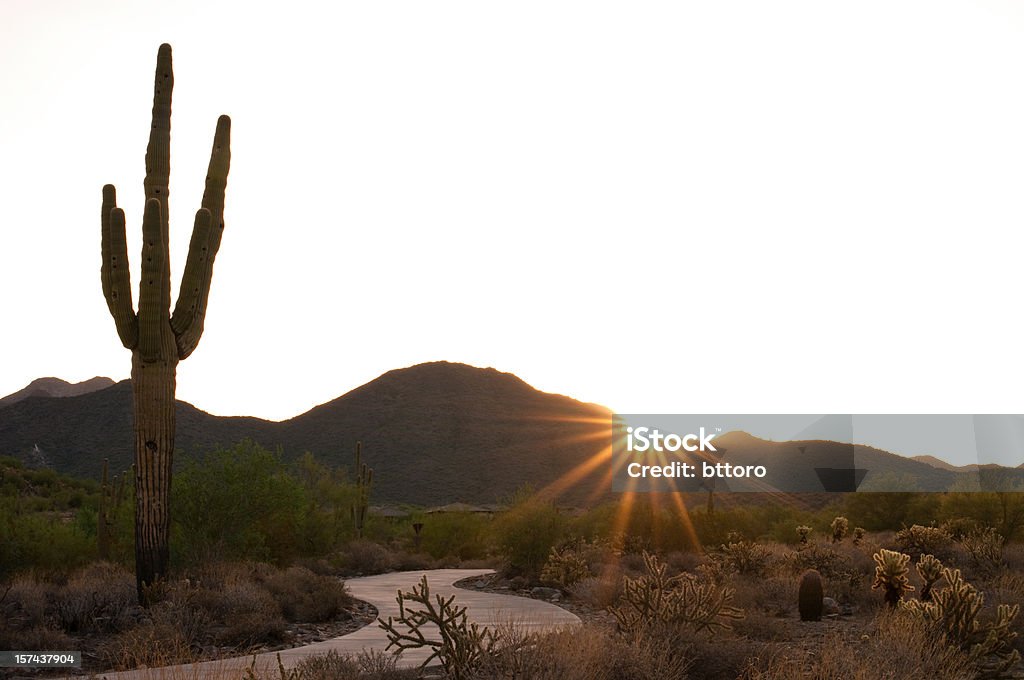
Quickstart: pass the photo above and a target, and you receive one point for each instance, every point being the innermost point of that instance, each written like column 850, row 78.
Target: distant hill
column 434, row 433
column 55, row 387
column 439, row 433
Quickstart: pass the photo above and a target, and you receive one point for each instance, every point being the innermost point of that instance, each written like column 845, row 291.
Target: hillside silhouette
column 434, row 433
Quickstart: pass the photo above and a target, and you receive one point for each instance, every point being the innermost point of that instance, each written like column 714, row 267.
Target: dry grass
column 585, row 653
column 901, row 647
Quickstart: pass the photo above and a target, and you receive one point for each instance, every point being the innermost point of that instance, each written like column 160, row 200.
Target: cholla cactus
column 858, row 535
column 804, row 532
column 744, row 557
column 564, row 568
column 891, row 575
column 462, row 645
column 839, row 526
column 921, row 540
column 985, row 547
column 955, row 610
column 930, row 571
column 654, row 598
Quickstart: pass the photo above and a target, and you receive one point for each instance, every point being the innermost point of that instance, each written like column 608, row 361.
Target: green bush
column 237, row 503
column 526, row 533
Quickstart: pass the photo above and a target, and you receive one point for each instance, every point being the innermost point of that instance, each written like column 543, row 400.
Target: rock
column 479, row 585
column 830, row 607
column 542, row 593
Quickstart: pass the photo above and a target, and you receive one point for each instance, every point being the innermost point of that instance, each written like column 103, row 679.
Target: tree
column 158, row 340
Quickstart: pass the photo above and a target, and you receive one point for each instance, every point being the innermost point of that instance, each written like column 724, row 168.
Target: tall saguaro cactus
column 157, row 338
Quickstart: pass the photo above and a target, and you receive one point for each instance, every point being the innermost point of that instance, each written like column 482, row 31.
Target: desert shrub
column 526, row 533
column 238, row 503
column 958, row 527
column 23, row 603
column 366, row 665
column 98, row 598
column 565, row 567
column 955, row 612
column 39, row 637
column 657, row 599
column 245, row 611
column 586, row 653
column 41, row 541
column 774, row 595
column 464, row 535
column 920, row 540
column 599, row 592
column 903, row 647
column 361, row 557
column 306, row 597
column 149, row 644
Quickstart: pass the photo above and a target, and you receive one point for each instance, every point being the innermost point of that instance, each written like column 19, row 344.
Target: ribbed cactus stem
column 158, row 340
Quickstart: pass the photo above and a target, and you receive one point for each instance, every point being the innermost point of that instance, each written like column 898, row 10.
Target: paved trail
column 486, row 609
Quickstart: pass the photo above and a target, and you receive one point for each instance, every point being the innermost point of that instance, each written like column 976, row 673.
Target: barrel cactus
column 811, row 596
column 891, row 575
column 157, row 338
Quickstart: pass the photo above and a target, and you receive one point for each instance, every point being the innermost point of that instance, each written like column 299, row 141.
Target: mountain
column 55, row 387
column 442, row 432
column 970, row 467
column 434, row 433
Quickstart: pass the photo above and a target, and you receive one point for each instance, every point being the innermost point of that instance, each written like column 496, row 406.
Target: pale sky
column 708, row 207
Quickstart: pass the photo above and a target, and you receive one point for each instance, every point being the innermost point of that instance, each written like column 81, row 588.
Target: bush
column 305, row 597
column 99, row 598
column 920, row 540
column 526, row 533
column 238, row 503
column 362, row 557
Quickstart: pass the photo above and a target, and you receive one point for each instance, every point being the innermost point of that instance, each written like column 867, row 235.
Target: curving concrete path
column 486, row 609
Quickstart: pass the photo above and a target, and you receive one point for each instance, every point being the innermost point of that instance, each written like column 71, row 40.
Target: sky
column 662, row 207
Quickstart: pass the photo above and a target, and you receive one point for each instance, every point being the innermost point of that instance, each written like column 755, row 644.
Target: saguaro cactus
column 112, row 495
column 364, row 479
column 157, row 338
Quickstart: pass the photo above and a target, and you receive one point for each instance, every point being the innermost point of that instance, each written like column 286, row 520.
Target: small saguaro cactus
column 811, row 596
column 364, row 479
column 112, row 495
column 891, row 575
column 839, row 526
column 804, row 532
column 157, row 338
column 930, row 571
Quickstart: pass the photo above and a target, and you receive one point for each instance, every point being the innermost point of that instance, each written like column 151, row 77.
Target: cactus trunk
column 153, row 387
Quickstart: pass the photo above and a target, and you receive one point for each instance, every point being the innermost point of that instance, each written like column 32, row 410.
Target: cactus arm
column 152, row 288
column 158, row 153
column 109, row 203
column 117, row 287
column 190, row 315
column 192, row 278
